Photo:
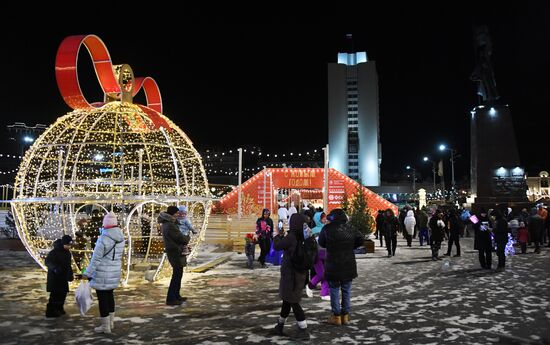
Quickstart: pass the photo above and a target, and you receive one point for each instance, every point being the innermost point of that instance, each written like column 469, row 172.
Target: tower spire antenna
column 349, row 43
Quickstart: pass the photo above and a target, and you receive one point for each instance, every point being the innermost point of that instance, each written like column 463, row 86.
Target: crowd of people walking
column 332, row 265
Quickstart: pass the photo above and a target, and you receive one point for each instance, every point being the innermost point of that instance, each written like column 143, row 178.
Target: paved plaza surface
column 406, row 299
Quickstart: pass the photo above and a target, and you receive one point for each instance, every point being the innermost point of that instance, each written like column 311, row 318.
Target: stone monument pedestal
column 496, row 174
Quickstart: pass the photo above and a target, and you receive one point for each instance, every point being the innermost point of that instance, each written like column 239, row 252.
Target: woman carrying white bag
column 105, row 269
column 83, row 296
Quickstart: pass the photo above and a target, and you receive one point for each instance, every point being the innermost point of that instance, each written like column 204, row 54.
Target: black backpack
column 304, row 255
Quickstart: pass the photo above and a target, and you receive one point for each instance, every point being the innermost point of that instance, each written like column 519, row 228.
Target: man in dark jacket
column 292, row 281
column 482, row 233
column 380, row 226
column 174, row 241
column 455, row 226
column 391, row 227
column 437, row 227
column 501, row 238
column 422, row 223
column 340, row 240
column 60, row 274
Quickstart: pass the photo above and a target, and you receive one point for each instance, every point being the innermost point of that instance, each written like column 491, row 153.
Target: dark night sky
column 244, row 79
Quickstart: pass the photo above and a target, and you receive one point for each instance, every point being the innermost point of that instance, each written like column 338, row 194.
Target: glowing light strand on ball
column 88, row 158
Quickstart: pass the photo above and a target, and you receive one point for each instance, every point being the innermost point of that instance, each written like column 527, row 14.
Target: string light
column 8, row 172
column 254, row 152
column 109, row 158
column 10, row 156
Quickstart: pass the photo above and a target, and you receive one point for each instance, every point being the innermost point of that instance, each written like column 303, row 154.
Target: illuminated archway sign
column 108, row 155
column 339, row 185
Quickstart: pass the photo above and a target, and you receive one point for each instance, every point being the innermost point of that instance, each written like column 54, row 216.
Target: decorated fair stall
column 108, row 156
column 263, row 188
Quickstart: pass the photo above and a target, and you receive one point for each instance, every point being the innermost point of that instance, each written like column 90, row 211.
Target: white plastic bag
column 83, row 296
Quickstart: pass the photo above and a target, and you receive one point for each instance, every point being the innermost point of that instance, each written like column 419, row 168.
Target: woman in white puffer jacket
column 410, row 223
column 105, row 269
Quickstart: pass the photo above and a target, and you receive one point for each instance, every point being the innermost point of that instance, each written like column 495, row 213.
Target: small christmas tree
column 248, row 206
column 345, row 203
column 360, row 214
column 10, row 230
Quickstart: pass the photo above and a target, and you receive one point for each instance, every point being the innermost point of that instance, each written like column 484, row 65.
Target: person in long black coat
column 380, row 219
column 292, row 282
column 455, row 226
column 340, row 239
column 501, row 238
column 391, row 227
column 437, row 227
column 60, row 273
column 174, row 241
column 482, row 241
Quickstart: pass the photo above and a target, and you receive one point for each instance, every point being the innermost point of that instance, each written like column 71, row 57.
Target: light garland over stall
column 113, row 155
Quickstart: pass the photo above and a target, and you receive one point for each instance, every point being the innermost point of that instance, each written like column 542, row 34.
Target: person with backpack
column 340, row 239
column 293, row 277
column 105, row 268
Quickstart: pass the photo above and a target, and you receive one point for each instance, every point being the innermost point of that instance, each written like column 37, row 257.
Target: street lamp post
column 414, row 178
column 27, row 140
column 453, row 152
column 426, row 159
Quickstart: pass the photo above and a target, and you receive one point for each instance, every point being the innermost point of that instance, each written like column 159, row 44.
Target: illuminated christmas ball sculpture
column 113, row 155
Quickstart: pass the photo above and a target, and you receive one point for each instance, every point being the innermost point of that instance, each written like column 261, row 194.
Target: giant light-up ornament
column 112, row 155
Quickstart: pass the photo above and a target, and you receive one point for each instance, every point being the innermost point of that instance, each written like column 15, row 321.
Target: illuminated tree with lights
column 360, row 215
column 249, row 206
column 112, row 156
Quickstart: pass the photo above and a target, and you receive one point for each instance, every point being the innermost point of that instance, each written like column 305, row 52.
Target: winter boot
column 52, row 312
column 105, row 326
column 112, row 320
column 335, row 320
column 344, row 318
column 303, row 333
column 278, row 330
column 309, row 293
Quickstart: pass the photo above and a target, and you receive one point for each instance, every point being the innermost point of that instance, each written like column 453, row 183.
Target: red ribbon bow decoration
column 69, row 86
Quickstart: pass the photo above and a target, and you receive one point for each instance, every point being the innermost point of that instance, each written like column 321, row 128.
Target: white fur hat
column 110, row 220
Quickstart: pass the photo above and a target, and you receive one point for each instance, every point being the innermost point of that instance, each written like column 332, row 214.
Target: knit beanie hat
column 110, row 220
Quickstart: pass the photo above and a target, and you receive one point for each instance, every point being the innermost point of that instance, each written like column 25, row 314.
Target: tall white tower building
column 354, row 138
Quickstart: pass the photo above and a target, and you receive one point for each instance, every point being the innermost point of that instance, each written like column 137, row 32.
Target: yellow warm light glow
column 111, row 158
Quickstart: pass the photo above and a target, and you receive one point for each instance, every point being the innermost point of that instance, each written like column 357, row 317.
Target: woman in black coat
column 292, row 282
column 340, row 239
column 60, row 273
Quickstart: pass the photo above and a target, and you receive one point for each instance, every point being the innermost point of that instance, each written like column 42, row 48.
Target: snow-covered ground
column 406, row 299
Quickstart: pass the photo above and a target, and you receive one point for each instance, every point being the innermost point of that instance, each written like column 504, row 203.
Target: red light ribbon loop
column 69, row 86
